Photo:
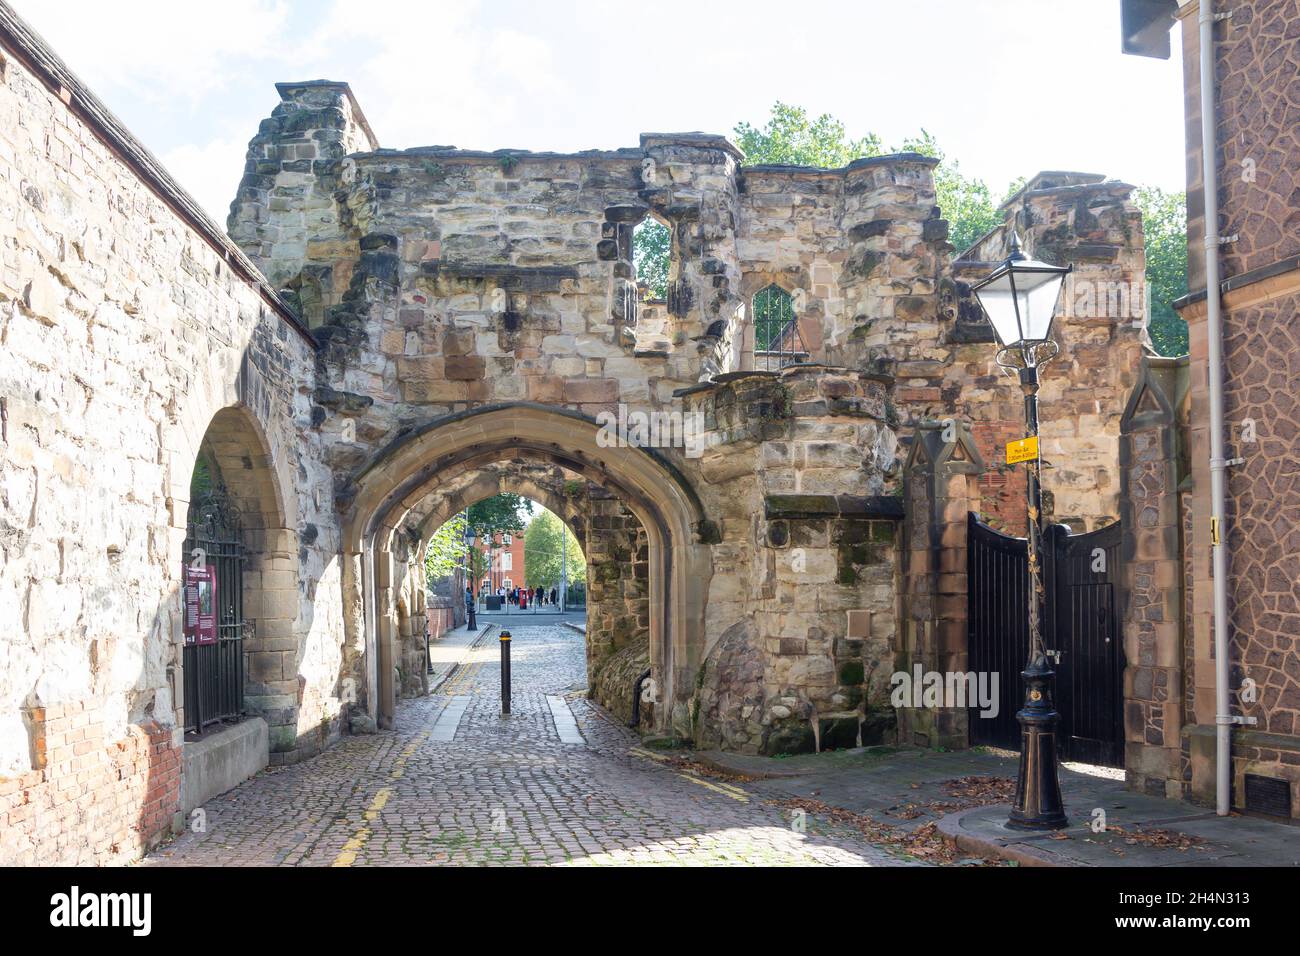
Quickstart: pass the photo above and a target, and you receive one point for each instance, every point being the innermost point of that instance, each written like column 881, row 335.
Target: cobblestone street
column 457, row 784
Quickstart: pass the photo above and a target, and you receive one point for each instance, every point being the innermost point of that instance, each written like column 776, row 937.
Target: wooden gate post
column 939, row 493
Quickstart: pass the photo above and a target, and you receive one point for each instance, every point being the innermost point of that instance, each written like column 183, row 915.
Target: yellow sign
column 1026, row 449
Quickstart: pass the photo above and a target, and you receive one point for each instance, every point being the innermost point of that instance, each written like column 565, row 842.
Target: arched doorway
column 420, row 465
column 237, row 539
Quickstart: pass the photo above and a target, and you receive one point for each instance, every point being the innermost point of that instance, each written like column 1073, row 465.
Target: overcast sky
column 1008, row 87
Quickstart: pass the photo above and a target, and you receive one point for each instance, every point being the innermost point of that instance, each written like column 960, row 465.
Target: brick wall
column 1259, row 195
column 92, row 798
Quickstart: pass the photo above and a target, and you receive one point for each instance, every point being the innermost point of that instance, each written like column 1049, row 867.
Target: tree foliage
column 503, row 513
column 446, row 549
column 791, row 137
column 651, row 245
column 543, row 550
column 1164, row 225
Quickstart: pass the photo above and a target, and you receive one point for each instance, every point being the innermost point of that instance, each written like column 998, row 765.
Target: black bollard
column 505, row 673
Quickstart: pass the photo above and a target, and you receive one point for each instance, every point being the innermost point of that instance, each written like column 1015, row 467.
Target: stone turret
column 285, row 200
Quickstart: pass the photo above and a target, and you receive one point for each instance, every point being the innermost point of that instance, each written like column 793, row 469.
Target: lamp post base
column 1038, row 803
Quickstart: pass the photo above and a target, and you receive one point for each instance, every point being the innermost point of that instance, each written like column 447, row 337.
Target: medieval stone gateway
column 417, row 466
column 381, row 338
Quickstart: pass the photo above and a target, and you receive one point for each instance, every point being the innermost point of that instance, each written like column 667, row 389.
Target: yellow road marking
column 726, row 789
column 738, row 791
column 647, row 755
column 381, row 799
column 716, row 788
column 399, row 765
column 468, row 669
column 465, row 675
column 348, row 855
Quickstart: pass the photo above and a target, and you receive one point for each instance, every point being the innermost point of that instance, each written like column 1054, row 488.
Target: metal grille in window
column 777, row 342
column 214, row 673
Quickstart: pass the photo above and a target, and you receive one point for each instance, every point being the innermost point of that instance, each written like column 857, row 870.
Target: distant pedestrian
column 555, row 596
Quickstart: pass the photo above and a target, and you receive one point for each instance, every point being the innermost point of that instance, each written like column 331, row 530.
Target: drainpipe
column 1218, row 466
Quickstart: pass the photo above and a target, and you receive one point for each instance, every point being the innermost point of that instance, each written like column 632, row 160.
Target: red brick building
column 503, row 557
column 1172, row 718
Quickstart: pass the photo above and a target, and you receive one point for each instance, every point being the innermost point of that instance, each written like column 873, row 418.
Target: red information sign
column 201, row 605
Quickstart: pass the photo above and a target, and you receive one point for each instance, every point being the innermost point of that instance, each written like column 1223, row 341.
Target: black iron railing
column 777, row 340
column 214, row 673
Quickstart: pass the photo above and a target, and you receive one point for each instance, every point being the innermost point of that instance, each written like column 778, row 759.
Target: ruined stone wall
column 617, row 579
column 896, row 257
column 862, row 247
column 789, row 218
column 127, row 327
column 441, row 280
column 1082, row 221
column 447, row 279
column 286, row 197
column 802, row 610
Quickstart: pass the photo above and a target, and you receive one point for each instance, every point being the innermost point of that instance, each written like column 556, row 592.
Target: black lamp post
column 1020, row 300
column 469, row 555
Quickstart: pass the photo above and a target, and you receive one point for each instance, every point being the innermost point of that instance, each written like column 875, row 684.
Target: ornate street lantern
column 1020, row 300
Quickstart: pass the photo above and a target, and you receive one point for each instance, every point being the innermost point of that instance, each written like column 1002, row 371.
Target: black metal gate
column 214, row 673
column 1081, row 633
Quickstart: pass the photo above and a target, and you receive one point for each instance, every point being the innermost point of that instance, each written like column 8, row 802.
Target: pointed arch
column 650, row 486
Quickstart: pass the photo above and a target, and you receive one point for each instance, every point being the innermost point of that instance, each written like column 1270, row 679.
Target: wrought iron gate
column 214, row 673
column 1081, row 631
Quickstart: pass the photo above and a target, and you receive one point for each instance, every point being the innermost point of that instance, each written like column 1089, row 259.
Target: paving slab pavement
column 448, row 652
column 907, row 787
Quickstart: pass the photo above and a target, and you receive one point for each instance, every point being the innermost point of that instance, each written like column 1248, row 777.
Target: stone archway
column 235, row 444
column 414, row 467
column 607, row 532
